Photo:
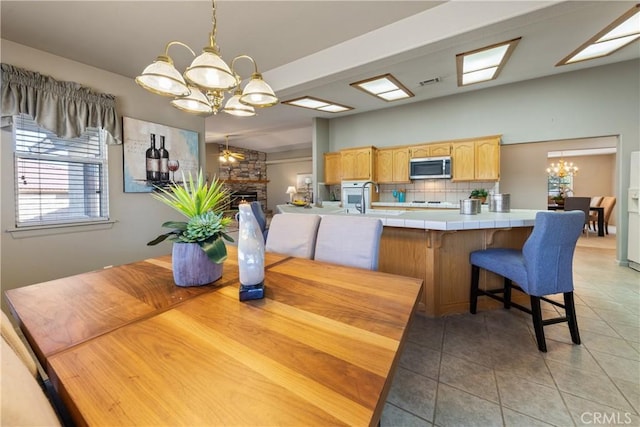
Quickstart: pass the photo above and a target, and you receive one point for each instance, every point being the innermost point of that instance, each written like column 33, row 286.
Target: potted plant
column 479, row 193
column 563, row 192
column 198, row 249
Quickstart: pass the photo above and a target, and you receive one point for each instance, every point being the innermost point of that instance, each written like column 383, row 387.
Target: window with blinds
column 59, row 181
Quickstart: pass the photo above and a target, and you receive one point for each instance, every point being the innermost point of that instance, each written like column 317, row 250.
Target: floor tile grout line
column 408, row 412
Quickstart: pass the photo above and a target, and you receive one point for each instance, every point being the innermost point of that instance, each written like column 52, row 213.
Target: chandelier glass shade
column 562, row 169
column 202, row 87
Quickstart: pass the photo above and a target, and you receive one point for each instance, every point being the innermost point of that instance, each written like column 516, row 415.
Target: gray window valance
column 65, row 108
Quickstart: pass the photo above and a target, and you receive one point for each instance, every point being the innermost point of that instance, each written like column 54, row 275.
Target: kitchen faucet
column 363, row 205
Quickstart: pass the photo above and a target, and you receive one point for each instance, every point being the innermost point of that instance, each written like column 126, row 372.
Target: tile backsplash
column 439, row 190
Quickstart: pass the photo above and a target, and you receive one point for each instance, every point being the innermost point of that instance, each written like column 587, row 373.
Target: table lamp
column 291, row 190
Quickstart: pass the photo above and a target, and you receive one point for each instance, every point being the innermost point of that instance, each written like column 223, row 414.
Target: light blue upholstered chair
column 261, row 218
column 350, row 240
column 293, row 234
column 543, row 267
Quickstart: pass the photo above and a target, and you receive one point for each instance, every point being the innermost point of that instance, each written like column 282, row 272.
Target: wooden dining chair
column 351, row 240
column 593, row 216
column 293, row 234
column 543, row 267
column 608, row 204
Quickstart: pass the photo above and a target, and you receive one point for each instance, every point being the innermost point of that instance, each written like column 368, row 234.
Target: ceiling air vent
column 430, row 81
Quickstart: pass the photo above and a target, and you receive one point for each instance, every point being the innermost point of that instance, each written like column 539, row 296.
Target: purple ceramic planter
column 192, row 267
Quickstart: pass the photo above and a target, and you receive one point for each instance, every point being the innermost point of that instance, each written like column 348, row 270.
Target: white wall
column 35, row 257
column 600, row 101
column 523, row 166
column 282, row 169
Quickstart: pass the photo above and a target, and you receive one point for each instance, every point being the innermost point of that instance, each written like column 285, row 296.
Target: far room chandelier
column 201, row 88
column 562, row 169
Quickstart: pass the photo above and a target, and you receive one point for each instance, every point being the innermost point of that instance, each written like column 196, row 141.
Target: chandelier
column 562, row 169
column 201, row 88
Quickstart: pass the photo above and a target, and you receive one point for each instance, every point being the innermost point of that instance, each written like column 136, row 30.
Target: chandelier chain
column 214, row 25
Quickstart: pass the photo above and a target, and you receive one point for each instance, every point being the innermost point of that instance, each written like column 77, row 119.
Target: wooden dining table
column 126, row 346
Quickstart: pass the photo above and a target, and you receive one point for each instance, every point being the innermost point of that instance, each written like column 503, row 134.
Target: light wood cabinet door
column 348, row 164
column 436, row 150
column 384, row 160
column 358, row 163
column 332, row 168
column 487, row 159
column 364, row 163
column 400, row 165
column 476, row 160
column 392, row 165
column 420, row 151
column 463, row 161
column 430, row 150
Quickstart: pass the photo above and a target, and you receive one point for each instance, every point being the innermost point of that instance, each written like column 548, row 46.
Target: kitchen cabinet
column 430, row 150
column 463, row 161
column 392, row 165
column 358, row 163
column 476, row 160
column 487, row 161
column 332, row 168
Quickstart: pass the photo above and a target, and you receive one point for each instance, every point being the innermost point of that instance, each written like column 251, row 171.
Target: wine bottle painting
column 153, row 153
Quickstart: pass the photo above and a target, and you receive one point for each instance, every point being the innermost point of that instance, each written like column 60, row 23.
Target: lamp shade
column 162, row 78
column 208, row 70
column 258, row 93
column 236, row 108
column 195, row 103
column 291, row 190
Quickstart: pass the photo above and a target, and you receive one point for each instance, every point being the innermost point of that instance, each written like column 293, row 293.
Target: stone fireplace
column 241, row 197
column 246, row 179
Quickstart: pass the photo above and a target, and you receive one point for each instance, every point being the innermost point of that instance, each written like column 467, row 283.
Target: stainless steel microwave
column 430, row 167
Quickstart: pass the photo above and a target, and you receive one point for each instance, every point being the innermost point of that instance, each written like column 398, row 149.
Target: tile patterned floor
column 485, row 369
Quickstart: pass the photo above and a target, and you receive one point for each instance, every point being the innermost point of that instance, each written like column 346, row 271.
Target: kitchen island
column 434, row 245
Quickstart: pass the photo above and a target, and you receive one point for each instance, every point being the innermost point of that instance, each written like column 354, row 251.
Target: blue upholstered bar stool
column 543, row 267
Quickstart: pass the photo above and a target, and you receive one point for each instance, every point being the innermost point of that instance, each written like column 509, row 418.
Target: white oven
column 352, row 196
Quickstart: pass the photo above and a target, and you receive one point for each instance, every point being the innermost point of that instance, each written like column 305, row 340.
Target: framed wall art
column 155, row 155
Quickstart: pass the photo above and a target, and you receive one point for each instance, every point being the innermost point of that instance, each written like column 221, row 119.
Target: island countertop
column 432, row 219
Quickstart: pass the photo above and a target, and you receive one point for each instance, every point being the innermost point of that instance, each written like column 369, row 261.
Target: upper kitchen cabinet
column 487, row 162
column 430, row 150
column 358, row 163
column 332, row 168
column 476, row 160
column 392, row 165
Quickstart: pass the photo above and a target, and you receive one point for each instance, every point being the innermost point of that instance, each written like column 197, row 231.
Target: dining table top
column 126, row 346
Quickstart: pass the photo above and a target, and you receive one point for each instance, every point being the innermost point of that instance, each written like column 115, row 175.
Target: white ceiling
column 316, row 47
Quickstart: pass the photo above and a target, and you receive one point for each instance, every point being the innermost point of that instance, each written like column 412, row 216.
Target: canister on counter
column 470, row 206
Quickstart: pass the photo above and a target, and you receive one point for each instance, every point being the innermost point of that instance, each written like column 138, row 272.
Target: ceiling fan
column 229, row 156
